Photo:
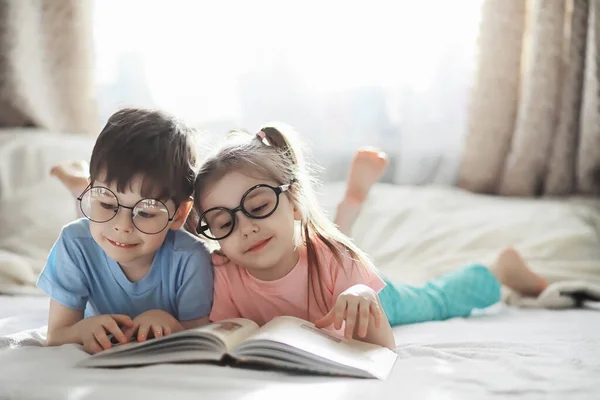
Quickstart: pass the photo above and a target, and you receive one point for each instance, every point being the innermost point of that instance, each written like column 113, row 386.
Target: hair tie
column 263, row 138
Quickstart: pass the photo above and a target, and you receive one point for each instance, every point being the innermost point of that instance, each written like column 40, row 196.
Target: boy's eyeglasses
column 99, row 204
column 258, row 202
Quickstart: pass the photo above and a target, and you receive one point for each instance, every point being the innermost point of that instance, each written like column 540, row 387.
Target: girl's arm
column 360, row 309
column 381, row 335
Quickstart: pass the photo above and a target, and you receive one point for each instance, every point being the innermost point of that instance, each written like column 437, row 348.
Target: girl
column 284, row 257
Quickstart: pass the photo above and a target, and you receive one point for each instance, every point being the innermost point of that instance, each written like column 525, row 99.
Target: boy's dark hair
column 151, row 144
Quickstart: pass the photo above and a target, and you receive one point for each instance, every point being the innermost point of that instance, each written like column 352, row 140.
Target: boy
column 127, row 268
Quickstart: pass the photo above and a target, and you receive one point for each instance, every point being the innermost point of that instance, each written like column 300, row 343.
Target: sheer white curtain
column 394, row 74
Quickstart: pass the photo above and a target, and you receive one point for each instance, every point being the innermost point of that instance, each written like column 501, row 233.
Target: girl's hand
column 158, row 322
column 356, row 305
column 218, row 258
column 93, row 331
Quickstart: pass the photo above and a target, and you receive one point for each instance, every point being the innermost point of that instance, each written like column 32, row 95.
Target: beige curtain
column 534, row 123
column 46, row 65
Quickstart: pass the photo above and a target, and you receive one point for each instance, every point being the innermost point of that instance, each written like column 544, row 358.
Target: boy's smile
column 119, row 237
column 121, row 245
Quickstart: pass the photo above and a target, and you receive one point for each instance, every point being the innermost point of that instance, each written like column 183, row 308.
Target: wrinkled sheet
column 505, row 353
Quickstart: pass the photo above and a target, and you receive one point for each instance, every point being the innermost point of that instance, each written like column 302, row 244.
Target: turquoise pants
column 455, row 294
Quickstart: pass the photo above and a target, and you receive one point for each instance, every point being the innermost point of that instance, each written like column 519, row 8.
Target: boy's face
column 120, row 238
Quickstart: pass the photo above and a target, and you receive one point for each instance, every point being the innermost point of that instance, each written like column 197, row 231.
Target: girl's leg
column 458, row 293
column 368, row 165
column 455, row 294
column 513, row 272
column 75, row 176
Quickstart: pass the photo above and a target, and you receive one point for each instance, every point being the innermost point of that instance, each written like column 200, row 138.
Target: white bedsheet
column 414, row 234
column 508, row 353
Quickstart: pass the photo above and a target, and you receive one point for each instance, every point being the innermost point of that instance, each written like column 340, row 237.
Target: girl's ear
column 182, row 213
column 291, row 195
column 297, row 212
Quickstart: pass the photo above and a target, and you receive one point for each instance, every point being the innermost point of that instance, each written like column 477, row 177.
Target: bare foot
column 73, row 174
column 368, row 166
column 512, row 271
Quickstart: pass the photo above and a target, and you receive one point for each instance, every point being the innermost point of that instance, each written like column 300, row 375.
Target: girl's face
column 265, row 247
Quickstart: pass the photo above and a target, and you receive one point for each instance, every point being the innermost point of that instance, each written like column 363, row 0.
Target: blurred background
column 473, row 101
column 393, row 74
column 494, row 96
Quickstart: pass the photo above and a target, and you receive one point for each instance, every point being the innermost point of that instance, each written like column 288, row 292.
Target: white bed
column 412, row 234
column 509, row 353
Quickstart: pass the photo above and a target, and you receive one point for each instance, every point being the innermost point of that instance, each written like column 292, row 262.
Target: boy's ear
column 182, row 213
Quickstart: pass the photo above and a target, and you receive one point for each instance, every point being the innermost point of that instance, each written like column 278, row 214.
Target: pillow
column 33, row 205
column 414, row 234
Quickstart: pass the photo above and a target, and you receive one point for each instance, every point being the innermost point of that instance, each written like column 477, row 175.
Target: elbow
column 52, row 339
column 58, row 337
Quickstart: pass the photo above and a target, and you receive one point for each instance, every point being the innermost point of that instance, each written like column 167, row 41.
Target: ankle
column 498, row 272
column 354, row 197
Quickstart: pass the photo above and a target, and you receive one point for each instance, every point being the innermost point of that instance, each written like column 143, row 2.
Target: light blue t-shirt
column 79, row 275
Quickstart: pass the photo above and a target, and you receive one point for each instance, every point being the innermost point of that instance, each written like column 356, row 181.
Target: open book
column 283, row 343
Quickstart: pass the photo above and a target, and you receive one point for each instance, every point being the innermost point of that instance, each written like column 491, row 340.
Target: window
column 394, row 74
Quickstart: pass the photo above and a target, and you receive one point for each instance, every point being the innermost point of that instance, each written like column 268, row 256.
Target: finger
column 143, row 331
column 377, row 314
column 130, row 333
column 91, row 346
column 167, row 330
column 326, row 320
column 121, row 319
column 364, row 316
column 351, row 315
column 102, row 338
column 111, row 326
column 339, row 313
column 157, row 331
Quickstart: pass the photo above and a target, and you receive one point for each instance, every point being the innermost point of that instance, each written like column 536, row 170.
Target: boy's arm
column 193, row 297
column 61, row 324
column 67, row 325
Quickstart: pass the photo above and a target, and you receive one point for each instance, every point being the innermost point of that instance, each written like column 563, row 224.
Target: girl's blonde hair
column 279, row 156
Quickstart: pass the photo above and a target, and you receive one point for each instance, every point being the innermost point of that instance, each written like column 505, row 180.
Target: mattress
column 412, row 233
column 504, row 353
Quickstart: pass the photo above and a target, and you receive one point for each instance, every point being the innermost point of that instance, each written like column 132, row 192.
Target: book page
column 218, row 337
column 231, row 331
column 307, row 342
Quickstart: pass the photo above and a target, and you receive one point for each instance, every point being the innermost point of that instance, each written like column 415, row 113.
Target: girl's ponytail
column 283, row 143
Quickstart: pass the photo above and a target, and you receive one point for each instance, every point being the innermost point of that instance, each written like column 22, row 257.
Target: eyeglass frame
column 119, row 205
column 200, row 230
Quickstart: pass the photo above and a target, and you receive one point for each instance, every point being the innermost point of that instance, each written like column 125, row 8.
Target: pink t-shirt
column 239, row 294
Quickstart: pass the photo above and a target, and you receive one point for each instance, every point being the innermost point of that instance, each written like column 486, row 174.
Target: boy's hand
column 218, row 258
column 156, row 322
column 93, row 331
column 356, row 305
